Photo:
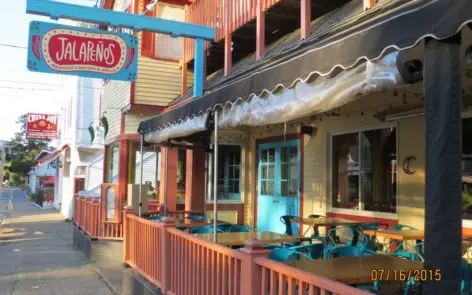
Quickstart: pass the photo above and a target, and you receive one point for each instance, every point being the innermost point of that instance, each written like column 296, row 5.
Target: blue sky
column 22, row 91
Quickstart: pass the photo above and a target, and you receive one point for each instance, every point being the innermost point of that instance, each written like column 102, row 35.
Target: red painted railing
column 153, row 205
column 211, row 13
column 182, row 264
column 87, row 218
column 87, row 215
column 272, row 274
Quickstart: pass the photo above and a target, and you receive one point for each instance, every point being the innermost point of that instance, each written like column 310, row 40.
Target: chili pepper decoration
column 131, row 52
column 35, row 46
column 104, row 121
column 92, row 133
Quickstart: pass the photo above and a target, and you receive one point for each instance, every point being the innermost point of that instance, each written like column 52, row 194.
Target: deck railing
column 87, row 218
column 212, row 13
column 274, row 274
column 153, row 205
column 182, row 264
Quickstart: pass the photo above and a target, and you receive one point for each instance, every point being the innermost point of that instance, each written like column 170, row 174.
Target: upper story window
column 364, row 171
column 161, row 45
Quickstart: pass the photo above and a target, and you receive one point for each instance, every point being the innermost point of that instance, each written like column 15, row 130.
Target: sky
column 22, row 91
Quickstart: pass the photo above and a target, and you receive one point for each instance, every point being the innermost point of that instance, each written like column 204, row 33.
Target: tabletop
column 356, row 270
column 395, row 234
column 238, row 238
column 194, row 223
column 325, row 221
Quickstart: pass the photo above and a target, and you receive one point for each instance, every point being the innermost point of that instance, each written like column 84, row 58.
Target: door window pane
column 229, row 168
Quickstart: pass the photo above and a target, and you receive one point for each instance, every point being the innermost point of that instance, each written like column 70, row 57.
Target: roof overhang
column 52, row 156
column 400, row 29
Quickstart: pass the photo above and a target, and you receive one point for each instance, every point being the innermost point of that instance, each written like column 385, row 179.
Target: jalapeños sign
column 41, row 126
column 84, row 52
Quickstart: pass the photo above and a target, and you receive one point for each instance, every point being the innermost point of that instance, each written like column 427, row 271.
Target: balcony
column 281, row 18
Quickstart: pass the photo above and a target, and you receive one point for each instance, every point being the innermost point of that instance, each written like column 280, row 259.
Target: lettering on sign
column 41, row 126
column 84, row 52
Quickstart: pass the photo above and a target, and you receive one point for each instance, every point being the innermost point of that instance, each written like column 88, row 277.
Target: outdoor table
column 357, row 269
column 194, row 223
column 329, row 222
column 398, row 235
column 239, row 238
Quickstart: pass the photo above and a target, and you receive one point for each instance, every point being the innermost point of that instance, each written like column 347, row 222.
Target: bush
column 466, row 200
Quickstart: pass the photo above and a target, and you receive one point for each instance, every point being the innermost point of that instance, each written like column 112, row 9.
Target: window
column 229, row 174
column 147, row 38
column 181, row 169
column 113, row 162
column 151, row 165
column 364, row 170
column 167, row 46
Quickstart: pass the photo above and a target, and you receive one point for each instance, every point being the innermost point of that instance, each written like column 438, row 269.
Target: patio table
column 357, row 270
column 194, row 223
column 328, row 222
column 239, row 238
column 397, row 235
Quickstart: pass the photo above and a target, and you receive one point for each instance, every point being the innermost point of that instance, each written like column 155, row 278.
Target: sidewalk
column 37, row 256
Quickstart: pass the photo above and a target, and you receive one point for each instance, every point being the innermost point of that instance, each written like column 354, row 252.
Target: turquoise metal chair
column 315, row 251
column 289, row 231
column 196, row 217
column 286, row 254
column 239, row 228
column 400, row 251
column 156, row 217
column 346, row 251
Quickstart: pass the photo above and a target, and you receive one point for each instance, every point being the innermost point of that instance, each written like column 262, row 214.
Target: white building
column 79, row 159
column 3, row 145
column 41, row 173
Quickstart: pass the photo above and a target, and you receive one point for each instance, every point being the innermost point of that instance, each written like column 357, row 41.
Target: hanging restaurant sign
column 41, row 126
column 84, row 52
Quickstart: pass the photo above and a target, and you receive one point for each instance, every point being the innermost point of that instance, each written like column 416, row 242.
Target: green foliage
column 466, row 200
column 15, row 179
column 48, row 191
column 21, row 152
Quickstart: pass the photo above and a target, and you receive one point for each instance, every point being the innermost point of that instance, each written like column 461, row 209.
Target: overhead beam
column 57, row 10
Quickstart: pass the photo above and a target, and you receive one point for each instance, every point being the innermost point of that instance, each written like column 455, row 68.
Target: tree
column 21, row 152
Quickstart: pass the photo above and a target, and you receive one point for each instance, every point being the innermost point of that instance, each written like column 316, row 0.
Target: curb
column 105, row 280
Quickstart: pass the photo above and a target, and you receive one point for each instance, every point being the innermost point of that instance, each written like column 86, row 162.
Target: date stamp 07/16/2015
column 418, row 275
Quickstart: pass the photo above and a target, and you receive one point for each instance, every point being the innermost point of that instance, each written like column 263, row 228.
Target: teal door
column 278, row 184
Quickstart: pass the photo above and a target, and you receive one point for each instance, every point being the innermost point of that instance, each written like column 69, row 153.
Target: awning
column 51, row 180
column 52, row 156
column 398, row 29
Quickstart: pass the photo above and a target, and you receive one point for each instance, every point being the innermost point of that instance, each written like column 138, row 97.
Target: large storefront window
column 364, row 170
column 113, row 163
column 467, row 168
column 151, row 166
column 229, row 173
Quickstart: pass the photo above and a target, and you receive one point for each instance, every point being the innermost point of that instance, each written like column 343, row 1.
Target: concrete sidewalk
column 37, row 255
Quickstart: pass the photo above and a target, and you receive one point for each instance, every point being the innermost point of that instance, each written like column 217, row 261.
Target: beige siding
column 159, row 82
column 132, row 122
column 116, row 95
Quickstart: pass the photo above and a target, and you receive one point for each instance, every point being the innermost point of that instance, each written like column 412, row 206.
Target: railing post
column 165, row 255
column 126, row 210
column 250, row 271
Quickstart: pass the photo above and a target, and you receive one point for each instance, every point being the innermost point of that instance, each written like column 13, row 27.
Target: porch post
column 215, row 178
column 140, row 209
column 194, row 178
column 443, row 200
column 168, row 181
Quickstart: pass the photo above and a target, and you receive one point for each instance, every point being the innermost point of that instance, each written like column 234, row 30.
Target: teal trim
column 272, row 206
column 38, row 62
column 57, row 10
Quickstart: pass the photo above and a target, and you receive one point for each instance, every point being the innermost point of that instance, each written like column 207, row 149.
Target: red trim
column 122, row 123
column 163, row 58
column 230, row 207
column 105, row 163
column 144, row 108
column 123, row 172
column 132, row 93
column 363, row 218
column 132, row 137
column 291, row 136
column 52, row 155
column 467, row 232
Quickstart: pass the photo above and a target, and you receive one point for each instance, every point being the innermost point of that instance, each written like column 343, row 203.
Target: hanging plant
column 92, row 132
column 104, row 121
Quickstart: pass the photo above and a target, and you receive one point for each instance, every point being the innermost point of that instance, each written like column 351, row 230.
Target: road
column 36, row 252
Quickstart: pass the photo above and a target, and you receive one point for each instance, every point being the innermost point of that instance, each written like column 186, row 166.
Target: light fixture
column 468, row 55
column 404, row 115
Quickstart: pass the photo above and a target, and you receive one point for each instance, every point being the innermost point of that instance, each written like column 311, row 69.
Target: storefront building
column 335, row 125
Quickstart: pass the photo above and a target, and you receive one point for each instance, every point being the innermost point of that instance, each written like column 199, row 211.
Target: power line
column 30, row 89
column 28, row 82
column 13, row 46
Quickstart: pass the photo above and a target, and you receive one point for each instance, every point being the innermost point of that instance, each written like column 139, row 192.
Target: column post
column 195, row 181
column 168, row 181
column 443, row 192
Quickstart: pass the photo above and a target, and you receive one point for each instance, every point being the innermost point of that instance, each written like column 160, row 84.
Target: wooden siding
column 116, row 95
column 159, row 82
column 168, row 46
column 132, row 122
column 87, row 110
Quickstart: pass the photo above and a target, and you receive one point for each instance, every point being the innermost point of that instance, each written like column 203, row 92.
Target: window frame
column 329, row 178
column 466, row 223
column 242, row 178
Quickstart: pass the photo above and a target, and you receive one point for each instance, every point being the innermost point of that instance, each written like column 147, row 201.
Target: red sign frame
column 41, row 126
